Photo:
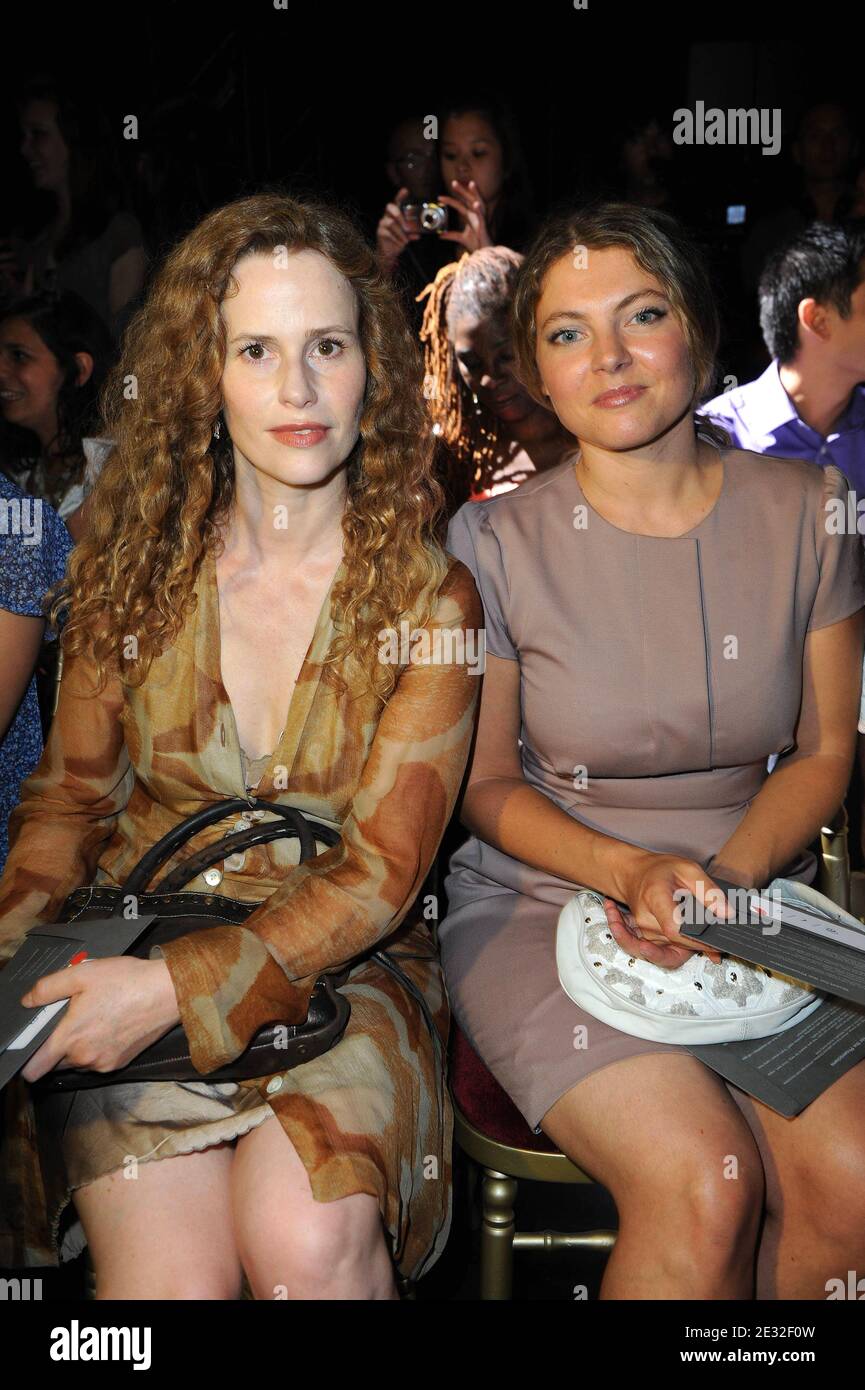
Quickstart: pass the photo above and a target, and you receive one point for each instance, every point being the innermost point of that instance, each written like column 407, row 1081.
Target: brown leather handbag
column 277, row 1046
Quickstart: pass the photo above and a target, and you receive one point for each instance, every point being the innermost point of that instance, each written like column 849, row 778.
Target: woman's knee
column 699, row 1222
column 292, row 1245
column 720, row 1198
column 698, row 1180
column 323, row 1244
column 825, row 1187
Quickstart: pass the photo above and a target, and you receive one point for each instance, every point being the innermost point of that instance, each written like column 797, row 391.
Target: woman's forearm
column 19, row 642
column 518, row 820
column 782, row 820
column 784, row 817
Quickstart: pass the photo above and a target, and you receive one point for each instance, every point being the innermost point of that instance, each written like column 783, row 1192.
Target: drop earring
column 217, row 430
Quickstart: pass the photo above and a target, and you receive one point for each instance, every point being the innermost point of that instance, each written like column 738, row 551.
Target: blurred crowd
column 77, row 255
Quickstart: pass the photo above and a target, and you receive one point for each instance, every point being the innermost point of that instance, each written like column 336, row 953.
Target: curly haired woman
column 267, row 516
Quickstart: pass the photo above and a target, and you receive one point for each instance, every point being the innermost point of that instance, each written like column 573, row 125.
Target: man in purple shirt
column 810, row 401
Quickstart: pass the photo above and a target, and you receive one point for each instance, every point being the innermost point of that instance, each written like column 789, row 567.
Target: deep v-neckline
column 304, row 686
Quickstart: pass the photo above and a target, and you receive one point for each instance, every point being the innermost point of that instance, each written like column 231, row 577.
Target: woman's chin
column 619, row 435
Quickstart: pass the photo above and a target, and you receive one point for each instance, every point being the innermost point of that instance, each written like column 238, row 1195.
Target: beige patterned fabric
column 118, row 771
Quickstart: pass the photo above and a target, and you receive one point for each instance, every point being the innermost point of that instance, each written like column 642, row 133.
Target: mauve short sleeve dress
column 657, row 676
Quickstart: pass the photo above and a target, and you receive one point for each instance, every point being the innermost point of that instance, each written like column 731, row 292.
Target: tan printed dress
column 118, row 771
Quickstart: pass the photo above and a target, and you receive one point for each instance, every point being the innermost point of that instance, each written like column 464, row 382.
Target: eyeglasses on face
column 414, row 158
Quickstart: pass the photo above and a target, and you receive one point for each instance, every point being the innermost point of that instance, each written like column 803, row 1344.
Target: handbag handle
column 293, row 822
column 232, row 844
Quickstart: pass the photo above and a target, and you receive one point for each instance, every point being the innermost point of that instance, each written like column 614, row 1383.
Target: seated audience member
column 89, row 243
column 34, row 547
column 619, row 750
column 412, row 169
column 54, row 356
column 483, row 182
column 492, row 434
column 810, row 401
column 480, row 149
column 412, row 158
column 269, row 508
column 823, row 150
column 647, row 162
column 173, row 179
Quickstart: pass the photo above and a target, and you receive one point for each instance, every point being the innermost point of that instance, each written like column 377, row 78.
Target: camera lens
column 433, row 218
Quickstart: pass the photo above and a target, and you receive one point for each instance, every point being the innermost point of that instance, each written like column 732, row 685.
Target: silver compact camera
column 427, row 217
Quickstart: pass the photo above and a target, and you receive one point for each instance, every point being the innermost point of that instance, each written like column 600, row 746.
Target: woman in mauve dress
column 663, row 613
column 267, row 518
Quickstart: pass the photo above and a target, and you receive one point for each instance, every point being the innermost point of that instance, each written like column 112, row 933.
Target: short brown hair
column 658, row 244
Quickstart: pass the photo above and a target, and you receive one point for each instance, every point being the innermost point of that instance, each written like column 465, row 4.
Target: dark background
column 230, row 98
column 238, row 96
column 256, row 94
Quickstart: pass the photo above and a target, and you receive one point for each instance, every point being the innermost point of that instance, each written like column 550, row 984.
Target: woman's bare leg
column 815, row 1190
column 663, row 1135
column 294, row 1247
column 166, row 1233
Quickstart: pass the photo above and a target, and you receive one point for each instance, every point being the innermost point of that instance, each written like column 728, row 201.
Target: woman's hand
column 470, row 205
column 650, row 930
column 118, row 1007
column 394, row 232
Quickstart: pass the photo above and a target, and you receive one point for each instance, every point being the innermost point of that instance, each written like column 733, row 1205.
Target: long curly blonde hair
column 168, row 486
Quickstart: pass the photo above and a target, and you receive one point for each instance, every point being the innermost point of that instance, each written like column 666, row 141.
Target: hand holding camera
column 394, row 232
column 406, row 219
column 470, row 205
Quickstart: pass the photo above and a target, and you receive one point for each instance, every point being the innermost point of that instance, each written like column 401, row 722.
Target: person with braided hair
column 492, row 434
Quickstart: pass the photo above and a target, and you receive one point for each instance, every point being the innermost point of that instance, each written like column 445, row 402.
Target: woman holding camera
column 267, row 514
column 484, row 172
column 662, row 614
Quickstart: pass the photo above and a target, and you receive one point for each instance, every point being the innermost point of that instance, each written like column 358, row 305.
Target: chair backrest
column 834, row 872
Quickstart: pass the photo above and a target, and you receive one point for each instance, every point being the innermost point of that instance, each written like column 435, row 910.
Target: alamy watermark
column 21, row 516
column 77, row 1343
column 751, row 906
column 20, row 1290
column 845, row 516
column 443, row 646
column 751, row 126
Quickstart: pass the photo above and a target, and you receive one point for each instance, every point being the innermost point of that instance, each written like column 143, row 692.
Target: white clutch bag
column 696, row 1003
